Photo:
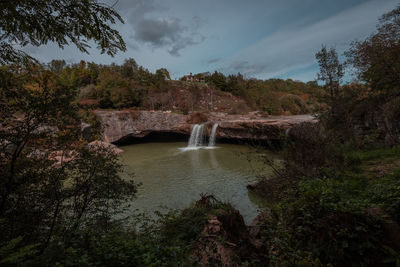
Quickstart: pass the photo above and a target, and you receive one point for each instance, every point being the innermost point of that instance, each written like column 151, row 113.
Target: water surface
column 174, row 177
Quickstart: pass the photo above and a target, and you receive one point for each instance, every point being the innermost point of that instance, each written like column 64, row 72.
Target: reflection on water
column 174, row 177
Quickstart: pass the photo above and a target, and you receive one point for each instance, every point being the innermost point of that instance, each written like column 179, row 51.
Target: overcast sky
column 259, row 38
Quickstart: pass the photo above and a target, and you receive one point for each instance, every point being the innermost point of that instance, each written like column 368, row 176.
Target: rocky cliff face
column 259, row 129
column 120, row 125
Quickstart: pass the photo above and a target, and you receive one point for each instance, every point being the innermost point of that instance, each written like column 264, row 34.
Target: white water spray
column 196, row 139
column 211, row 140
column 196, row 136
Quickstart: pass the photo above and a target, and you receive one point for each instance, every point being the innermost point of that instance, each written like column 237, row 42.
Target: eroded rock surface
column 127, row 123
column 119, row 125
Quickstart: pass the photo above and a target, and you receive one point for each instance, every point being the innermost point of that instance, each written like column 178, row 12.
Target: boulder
column 211, row 248
column 252, row 185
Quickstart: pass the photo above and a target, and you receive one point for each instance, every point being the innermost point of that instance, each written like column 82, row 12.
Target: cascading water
column 196, row 136
column 211, row 141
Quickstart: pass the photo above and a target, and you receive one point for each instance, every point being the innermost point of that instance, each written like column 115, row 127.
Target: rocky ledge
column 124, row 124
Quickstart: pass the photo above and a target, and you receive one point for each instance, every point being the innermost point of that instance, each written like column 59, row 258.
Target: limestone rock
column 122, row 124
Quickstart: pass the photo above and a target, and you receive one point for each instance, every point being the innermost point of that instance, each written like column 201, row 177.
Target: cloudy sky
column 259, row 38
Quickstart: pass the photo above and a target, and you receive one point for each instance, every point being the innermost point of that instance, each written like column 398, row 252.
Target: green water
column 174, row 178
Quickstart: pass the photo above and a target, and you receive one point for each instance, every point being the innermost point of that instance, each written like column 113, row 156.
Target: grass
column 376, row 154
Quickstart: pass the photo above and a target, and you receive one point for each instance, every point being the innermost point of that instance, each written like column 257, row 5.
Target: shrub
column 321, row 221
column 310, row 147
column 391, row 114
column 87, row 91
column 294, row 104
column 269, row 102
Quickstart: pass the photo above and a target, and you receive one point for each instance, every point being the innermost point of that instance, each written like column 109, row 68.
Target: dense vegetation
column 53, row 184
column 334, row 202
column 132, row 86
column 337, row 197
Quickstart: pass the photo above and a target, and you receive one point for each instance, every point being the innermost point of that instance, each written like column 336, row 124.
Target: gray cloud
column 263, row 39
column 137, row 9
column 246, row 68
column 213, row 60
column 290, row 49
column 160, row 31
column 193, row 39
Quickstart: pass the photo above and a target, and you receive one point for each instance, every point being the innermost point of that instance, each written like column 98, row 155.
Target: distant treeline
column 128, row 85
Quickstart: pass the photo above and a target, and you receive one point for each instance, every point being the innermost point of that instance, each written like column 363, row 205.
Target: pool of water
column 174, row 177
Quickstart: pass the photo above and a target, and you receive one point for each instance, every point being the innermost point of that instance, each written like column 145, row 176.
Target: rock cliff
column 124, row 124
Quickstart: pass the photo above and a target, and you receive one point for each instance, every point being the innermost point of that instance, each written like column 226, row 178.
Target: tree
column 162, row 74
column 56, row 65
column 236, row 84
column 38, row 22
column 376, row 59
column 129, row 68
column 159, row 79
column 330, row 70
column 218, row 79
column 52, row 182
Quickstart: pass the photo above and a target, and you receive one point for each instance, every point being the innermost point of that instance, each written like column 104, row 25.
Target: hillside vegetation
column 132, row 86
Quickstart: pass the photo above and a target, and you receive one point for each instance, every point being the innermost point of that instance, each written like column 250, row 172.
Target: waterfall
column 196, row 136
column 211, row 141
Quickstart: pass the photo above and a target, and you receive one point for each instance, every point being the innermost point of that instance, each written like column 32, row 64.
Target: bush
column 320, row 222
column 391, row 114
column 294, row 104
column 269, row 102
column 87, row 91
column 309, row 148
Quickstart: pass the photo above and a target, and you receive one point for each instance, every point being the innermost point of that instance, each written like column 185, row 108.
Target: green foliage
column 377, row 57
column 116, row 91
column 330, row 70
column 324, row 217
column 269, row 102
column 373, row 154
column 268, row 95
column 56, row 65
column 166, row 241
column 180, row 228
column 10, row 253
column 236, row 84
column 114, row 248
column 60, row 21
column 53, row 185
column 129, row 69
column 325, row 213
column 159, row 79
column 294, row 104
column 52, row 182
column 386, row 193
column 129, row 85
column 218, row 79
column 311, row 225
